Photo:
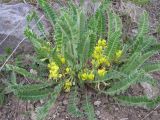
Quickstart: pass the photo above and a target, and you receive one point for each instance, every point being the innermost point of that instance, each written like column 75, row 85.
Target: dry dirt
column 105, row 109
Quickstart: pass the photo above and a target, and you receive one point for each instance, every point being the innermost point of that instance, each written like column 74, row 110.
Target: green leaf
column 33, row 94
column 41, row 47
column 110, row 23
column 30, row 87
column 1, row 98
column 151, row 67
column 38, row 23
column 124, row 84
column 93, row 40
column 143, row 24
column 33, row 38
column 140, row 2
column 59, row 37
column 113, row 43
column 22, row 71
column 147, row 43
column 50, row 13
column 111, row 75
column 85, row 50
column 105, row 5
column 142, row 101
column 42, row 112
column 118, row 22
column 136, row 60
column 13, row 78
column 143, row 29
column 33, row 16
column 149, row 79
column 154, row 47
column 101, row 24
column 72, row 103
column 89, row 109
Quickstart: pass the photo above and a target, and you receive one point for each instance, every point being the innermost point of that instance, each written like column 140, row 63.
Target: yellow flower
column 63, row 60
column 87, row 76
column 97, row 55
column 118, row 53
column 60, row 75
column 91, row 76
column 52, row 64
column 101, row 72
column 102, row 42
column 107, row 62
column 53, row 70
column 67, row 70
column 53, row 74
column 84, row 76
column 103, row 60
column 67, row 86
column 98, row 49
column 93, row 62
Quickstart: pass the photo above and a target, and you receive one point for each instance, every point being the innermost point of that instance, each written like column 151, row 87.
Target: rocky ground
column 105, row 107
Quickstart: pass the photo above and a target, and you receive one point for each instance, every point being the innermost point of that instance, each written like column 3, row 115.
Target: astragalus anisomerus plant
column 87, row 51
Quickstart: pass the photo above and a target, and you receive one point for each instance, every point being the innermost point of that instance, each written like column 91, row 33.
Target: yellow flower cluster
column 68, row 70
column 67, row 86
column 102, row 72
column 102, row 42
column 62, row 59
column 98, row 55
column 87, row 76
column 53, row 71
column 118, row 54
column 100, row 65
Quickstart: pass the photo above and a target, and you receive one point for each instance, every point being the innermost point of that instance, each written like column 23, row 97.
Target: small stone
column 155, row 113
column 98, row 112
column 13, row 23
column 30, row 107
column 134, row 31
column 41, row 101
column 54, row 116
column 149, row 90
column 65, row 102
column 97, row 103
column 116, row 109
column 33, row 115
column 124, row 119
column 34, row 72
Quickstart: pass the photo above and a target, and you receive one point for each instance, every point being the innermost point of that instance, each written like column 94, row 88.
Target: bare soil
column 105, row 109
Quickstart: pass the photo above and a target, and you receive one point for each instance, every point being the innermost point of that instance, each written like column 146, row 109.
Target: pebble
column 34, row 72
column 116, row 109
column 54, row 116
column 65, row 102
column 33, row 115
column 155, row 113
column 98, row 112
column 97, row 103
column 124, row 119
